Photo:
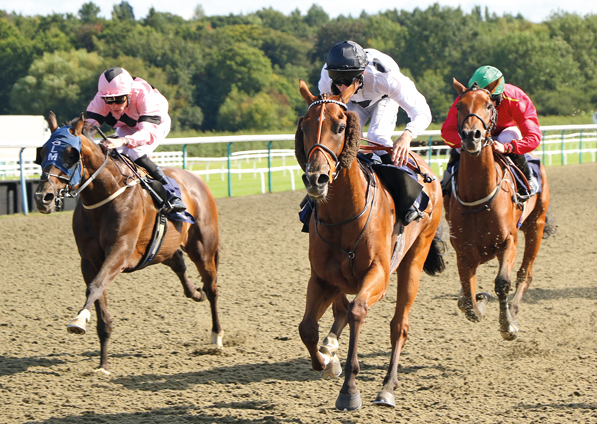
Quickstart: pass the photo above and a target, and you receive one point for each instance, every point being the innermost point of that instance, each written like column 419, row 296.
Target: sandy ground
column 164, row 369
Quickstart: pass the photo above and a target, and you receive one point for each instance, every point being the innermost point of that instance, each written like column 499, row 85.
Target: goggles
column 115, row 99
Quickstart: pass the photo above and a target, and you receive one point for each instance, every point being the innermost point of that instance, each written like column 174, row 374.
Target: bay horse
column 113, row 223
column 353, row 233
column 485, row 214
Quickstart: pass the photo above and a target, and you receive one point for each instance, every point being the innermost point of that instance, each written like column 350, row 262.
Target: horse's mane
column 87, row 132
column 352, row 142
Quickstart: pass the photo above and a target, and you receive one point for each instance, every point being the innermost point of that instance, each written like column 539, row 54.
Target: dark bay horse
column 356, row 241
column 484, row 213
column 113, row 224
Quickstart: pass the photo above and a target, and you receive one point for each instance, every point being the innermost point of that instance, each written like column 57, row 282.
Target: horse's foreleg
column 533, row 234
column 319, row 298
column 104, row 330
column 472, row 304
column 508, row 328
column 373, row 288
column 206, row 261
column 97, row 283
column 330, row 345
column 409, row 275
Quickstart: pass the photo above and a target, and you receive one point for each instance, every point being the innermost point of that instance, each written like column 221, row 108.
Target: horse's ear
column 491, row 87
column 309, row 98
column 347, row 94
column 458, row 86
column 52, row 122
column 78, row 130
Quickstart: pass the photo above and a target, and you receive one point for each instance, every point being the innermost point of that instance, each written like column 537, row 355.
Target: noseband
column 318, row 145
column 488, row 127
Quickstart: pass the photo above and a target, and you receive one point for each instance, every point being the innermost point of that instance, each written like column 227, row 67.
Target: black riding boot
column 174, row 204
column 521, row 163
column 447, row 177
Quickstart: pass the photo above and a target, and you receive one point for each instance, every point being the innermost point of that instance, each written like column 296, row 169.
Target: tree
column 88, row 13
column 316, row 16
column 63, row 82
column 123, row 12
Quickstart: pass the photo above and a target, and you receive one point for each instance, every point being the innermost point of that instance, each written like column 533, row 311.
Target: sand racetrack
column 164, row 369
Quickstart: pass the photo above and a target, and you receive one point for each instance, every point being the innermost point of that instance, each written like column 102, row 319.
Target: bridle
column 487, row 126
column 371, row 183
column 318, row 145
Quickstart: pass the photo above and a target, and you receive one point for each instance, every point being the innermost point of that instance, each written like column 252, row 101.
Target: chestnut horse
column 485, row 213
column 356, row 241
column 113, row 223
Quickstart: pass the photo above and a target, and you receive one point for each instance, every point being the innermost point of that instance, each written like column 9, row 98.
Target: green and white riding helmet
column 485, row 75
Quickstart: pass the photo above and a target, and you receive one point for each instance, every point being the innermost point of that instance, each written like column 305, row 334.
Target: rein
column 351, row 253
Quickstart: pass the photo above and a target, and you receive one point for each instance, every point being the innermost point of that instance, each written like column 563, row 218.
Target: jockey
column 517, row 129
column 139, row 113
column 384, row 89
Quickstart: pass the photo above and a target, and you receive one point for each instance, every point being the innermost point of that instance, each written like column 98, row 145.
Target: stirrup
column 174, row 205
column 413, row 213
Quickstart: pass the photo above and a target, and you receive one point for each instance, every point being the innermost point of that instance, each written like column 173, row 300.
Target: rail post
column 23, row 184
column 229, row 172
column 269, row 165
column 184, row 156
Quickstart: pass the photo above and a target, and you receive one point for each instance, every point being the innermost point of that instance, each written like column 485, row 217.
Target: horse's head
column 476, row 116
column 327, row 139
column 60, row 159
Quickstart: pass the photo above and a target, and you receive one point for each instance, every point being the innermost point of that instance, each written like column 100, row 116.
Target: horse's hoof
column 216, row 338
column 102, row 371
column 385, row 398
column 510, row 334
column 77, row 326
column 333, row 369
column 348, row 402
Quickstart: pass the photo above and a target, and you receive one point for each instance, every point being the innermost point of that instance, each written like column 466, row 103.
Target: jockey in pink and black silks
column 139, row 114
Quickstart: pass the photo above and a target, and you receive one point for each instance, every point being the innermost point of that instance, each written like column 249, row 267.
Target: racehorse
column 113, row 223
column 356, row 241
column 484, row 213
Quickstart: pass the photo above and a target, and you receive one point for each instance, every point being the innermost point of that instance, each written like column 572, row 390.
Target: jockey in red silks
column 517, row 128
column 139, row 113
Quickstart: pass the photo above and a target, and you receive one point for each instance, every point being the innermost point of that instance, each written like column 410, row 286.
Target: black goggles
column 115, row 99
column 340, row 80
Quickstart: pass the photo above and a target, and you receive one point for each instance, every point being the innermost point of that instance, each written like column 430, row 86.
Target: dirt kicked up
column 164, row 369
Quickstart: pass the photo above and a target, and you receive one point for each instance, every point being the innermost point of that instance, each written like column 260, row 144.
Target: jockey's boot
column 411, row 214
column 521, row 162
column 447, row 177
column 174, row 203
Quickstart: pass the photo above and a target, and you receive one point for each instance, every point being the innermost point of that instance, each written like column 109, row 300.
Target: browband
column 317, row 102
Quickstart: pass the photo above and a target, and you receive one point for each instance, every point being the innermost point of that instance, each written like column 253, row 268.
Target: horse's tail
column 434, row 264
column 551, row 226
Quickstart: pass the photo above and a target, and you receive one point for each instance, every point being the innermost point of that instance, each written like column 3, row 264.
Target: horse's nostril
column 48, row 197
column 477, row 135
column 323, row 179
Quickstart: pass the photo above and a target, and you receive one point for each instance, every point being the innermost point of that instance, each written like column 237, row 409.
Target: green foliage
column 62, row 82
column 241, row 72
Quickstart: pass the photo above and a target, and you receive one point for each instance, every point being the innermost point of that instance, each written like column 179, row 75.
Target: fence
column 560, row 145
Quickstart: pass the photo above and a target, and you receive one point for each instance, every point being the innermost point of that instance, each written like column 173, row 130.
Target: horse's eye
column 341, row 128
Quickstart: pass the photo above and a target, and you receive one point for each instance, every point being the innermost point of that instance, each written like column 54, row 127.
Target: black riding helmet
column 346, row 61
